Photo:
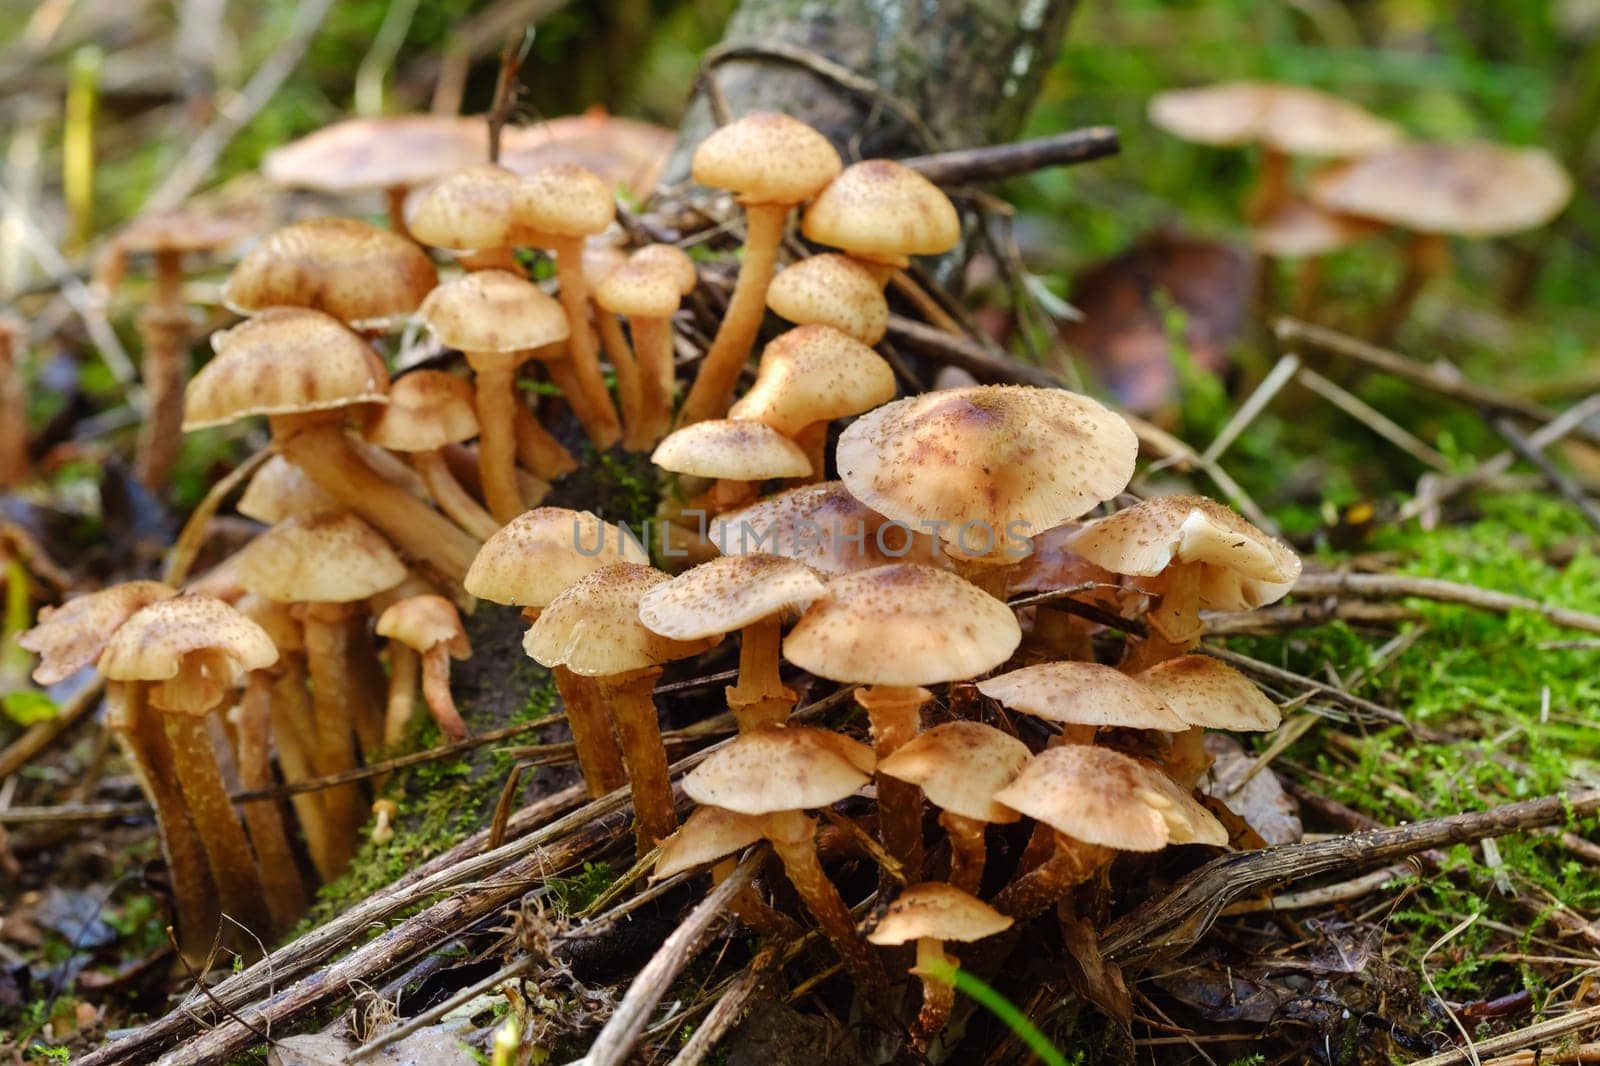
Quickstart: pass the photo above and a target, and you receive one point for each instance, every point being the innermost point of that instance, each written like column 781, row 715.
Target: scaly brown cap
column 1296, row 229
column 422, row 623
column 153, row 644
column 766, row 158
column 564, row 200
column 642, row 288
column 706, row 836
column 469, row 211
column 822, row 526
column 831, row 290
column 331, row 557
column 814, row 374
column 1212, row 695
column 781, row 768
column 493, row 311
column 936, row 911
column 1076, row 693
column 730, row 449
column 281, row 490
column 69, row 637
column 593, row 629
column 960, row 766
column 540, row 553
column 884, row 212
column 727, row 594
column 427, row 409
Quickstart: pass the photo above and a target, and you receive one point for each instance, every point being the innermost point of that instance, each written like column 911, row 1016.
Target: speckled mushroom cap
column 727, row 594
column 992, row 454
column 286, row 360
column 1296, row 229
column 1467, row 190
column 706, row 836
column 884, row 212
column 1079, row 693
column 822, row 526
column 1103, row 797
column 959, row 767
column 1289, row 118
column 427, row 409
column 935, row 910
column 69, row 637
column 493, row 311
column 470, row 210
column 905, row 625
column 593, row 629
column 279, row 490
column 673, row 258
column 359, row 154
column 564, row 200
column 642, row 288
column 152, row 643
column 422, row 623
column 814, row 374
column 781, row 768
column 1211, row 694
column 730, row 449
column 358, row 273
column 184, row 229
column 766, row 158
column 331, row 557
column 533, row 558
column 831, row 290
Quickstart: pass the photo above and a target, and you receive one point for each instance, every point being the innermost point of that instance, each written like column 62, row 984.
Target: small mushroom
column 648, row 289
column 280, row 490
column 738, row 455
column 72, row 636
column 1082, row 698
column 824, row 527
column 883, row 213
column 1207, row 694
column 471, row 213
column 831, row 290
column 430, row 626
column 709, row 836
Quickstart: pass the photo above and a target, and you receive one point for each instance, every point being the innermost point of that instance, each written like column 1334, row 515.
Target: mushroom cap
column 593, row 629
column 152, row 643
column 705, row 836
column 995, row 455
column 378, row 153
column 1289, row 118
column 823, row 526
column 422, row 623
column 286, row 360
column 831, row 290
column 1211, row 694
column 766, row 158
column 1296, row 229
column 814, row 374
column 1078, row 693
column 493, row 311
column 1242, row 567
column 469, row 210
column 671, row 257
column 936, row 911
column 884, row 212
column 536, row 556
column 624, row 152
column 729, row 593
column 1103, row 797
column 427, row 409
column 1467, row 190
column 69, row 637
column 356, row 272
column 279, row 490
column 959, row 767
column 731, row 449
column 330, row 557
column 781, row 768
column 642, row 288
column 564, row 200
column 185, row 229
column 904, row 625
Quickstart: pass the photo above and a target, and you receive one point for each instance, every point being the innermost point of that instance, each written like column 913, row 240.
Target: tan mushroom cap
column 593, row 629
column 564, row 200
column 705, row 836
column 732, row 450
column 69, row 637
column 624, row 152
column 992, row 454
column 814, row 374
column 1296, row 229
column 766, row 158
column 151, row 645
column 540, row 553
column 904, row 625
column 935, row 910
column 673, row 258
column 281, row 490
column 1211, row 694
column 959, row 767
column 377, row 153
column 831, row 290
column 1103, row 797
column 422, row 623
column 331, row 557
column 822, row 526
column 727, row 594
column 1078, row 693
column 1288, row 118
column 356, row 272
column 470, row 210
column 493, row 311
column 1467, row 190
column 650, row 288
column 427, row 409
column 781, row 768
column 286, row 360
column 184, row 229
column 884, row 212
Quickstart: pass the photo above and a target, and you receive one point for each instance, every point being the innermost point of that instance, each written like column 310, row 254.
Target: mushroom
column 531, row 561
column 278, row 490
column 883, row 213
column 1193, row 554
column 895, row 629
column 987, row 468
column 305, row 370
column 14, row 461
column 648, row 289
column 711, row 835
column 750, row 593
column 471, row 213
column 593, row 629
column 932, row 914
column 430, row 626
column 251, row 719
column 72, row 636
column 740, row 455
column 495, row 318
column 824, row 527
column 831, row 290
column 771, row 163
column 960, row 766
column 1082, row 698
column 810, row 376
column 1207, row 694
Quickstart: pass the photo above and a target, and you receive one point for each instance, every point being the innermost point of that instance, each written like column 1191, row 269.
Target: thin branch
column 995, row 162
column 1536, row 458
column 1441, row 591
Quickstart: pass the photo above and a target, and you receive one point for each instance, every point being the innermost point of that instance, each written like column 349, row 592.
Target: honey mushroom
column 1206, row 694
column 824, row 527
column 471, row 213
column 711, row 836
column 882, row 213
column 648, row 288
column 737, row 455
column 430, row 626
column 831, row 290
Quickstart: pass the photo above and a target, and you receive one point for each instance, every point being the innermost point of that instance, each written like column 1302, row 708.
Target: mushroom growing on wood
column 712, row 835
column 831, row 290
column 883, row 213
column 739, row 455
column 430, row 626
column 1207, row 694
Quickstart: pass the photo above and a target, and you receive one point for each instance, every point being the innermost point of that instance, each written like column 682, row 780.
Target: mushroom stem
column 280, row 874
column 13, row 408
column 164, row 331
column 395, row 200
column 1426, row 255
column 452, row 498
column 333, row 747
column 760, row 697
column 598, row 755
column 968, row 850
column 813, row 440
column 991, row 573
column 497, row 442
column 1176, row 618
column 712, row 391
column 630, row 386
column 1072, row 863
column 748, row 906
column 896, row 716
column 1271, row 188
column 1187, row 759
column 652, row 338
column 937, row 997
column 317, row 445
column 1153, row 649
column 293, row 729
column 401, row 704
column 366, row 687
column 602, row 426
column 436, row 693
column 1061, row 635
column 502, row 258
column 539, row 451
column 630, row 699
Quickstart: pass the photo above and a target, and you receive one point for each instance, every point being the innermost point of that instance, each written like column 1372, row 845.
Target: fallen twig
column 1536, row 1033
column 1558, row 480
column 996, row 161
column 1441, row 591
